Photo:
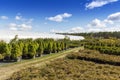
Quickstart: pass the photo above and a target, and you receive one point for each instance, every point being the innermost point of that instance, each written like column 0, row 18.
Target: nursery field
column 7, row 70
column 82, row 65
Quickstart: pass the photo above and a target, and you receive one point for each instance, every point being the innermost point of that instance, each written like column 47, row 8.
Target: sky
column 59, row 16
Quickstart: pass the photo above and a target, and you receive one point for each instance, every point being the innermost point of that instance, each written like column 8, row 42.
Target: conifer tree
column 62, row 45
column 25, row 51
column 15, row 52
column 31, row 50
column 58, row 47
column 40, row 49
column 49, row 49
column 54, row 47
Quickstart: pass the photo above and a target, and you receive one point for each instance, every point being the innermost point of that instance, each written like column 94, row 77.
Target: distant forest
column 105, row 35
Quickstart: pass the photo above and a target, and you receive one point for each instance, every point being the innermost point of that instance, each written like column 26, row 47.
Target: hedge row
column 95, row 56
column 107, row 46
column 107, row 50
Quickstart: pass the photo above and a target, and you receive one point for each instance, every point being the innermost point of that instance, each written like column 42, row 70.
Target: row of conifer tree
column 17, row 49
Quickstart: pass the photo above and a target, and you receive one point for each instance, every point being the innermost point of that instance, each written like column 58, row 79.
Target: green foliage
column 107, row 46
column 62, row 46
column 58, row 47
column 31, row 50
column 54, row 47
column 14, row 39
column 5, row 49
column 95, row 56
column 40, row 49
column 25, row 51
column 21, row 45
column 1, row 56
column 15, row 51
column 50, row 47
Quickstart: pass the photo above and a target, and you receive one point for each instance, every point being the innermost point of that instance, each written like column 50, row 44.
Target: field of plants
column 107, row 46
column 19, row 49
column 100, row 60
column 96, row 56
column 82, row 65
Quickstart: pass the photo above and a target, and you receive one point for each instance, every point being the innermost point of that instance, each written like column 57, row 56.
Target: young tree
column 15, row 52
column 21, row 45
column 40, row 49
column 58, row 47
column 25, row 51
column 5, row 50
column 49, row 49
column 54, row 47
column 1, row 57
column 14, row 39
column 31, row 50
column 62, row 45
column 66, row 46
column 45, row 46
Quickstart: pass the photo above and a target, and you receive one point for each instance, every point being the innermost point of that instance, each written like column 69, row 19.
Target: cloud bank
column 110, row 23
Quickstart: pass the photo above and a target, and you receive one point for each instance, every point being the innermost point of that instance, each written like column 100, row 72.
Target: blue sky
column 59, row 15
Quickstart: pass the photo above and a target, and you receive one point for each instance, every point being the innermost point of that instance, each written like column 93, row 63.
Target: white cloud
column 76, row 29
column 18, row 17
column 59, row 17
column 56, row 31
column 12, row 25
column 21, row 27
column 108, row 21
column 66, row 15
column 4, row 17
column 97, row 23
column 98, row 3
column 112, row 22
column 114, row 17
column 106, row 29
column 21, row 24
column 94, row 30
column 72, row 30
column 86, row 29
column 24, row 27
column 13, row 28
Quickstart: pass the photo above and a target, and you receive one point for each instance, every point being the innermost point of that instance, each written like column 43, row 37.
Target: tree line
column 104, row 35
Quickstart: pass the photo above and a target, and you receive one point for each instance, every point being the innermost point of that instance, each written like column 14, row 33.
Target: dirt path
column 6, row 71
